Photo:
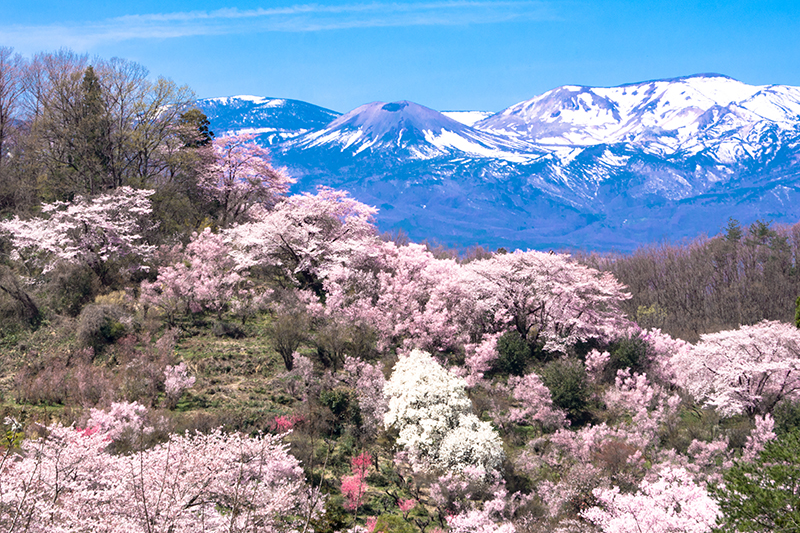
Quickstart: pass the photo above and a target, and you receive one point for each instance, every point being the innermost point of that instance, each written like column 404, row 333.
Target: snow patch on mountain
column 468, row 117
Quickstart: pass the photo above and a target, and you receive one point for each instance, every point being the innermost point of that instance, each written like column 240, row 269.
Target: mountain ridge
column 571, row 167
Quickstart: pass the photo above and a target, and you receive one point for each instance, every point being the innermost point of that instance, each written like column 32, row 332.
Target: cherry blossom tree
column 368, row 382
column 86, row 231
column 118, row 419
column 407, row 295
column 671, row 504
column 748, row 370
column 548, row 296
column 241, row 177
column 176, row 381
column 430, row 408
column 204, row 278
column 304, row 235
column 762, row 433
column 534, row 403
column 68, row 481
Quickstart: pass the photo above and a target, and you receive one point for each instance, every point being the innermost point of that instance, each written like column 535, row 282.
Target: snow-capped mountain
column 596, row 167
column 414, row 131
column 682, row 116
column 273, row 120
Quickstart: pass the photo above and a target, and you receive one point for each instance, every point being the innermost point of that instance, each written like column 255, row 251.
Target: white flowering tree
column 85, row 231
column 430, row 408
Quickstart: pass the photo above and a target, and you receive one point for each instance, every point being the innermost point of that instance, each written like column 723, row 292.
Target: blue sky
column 448, row 55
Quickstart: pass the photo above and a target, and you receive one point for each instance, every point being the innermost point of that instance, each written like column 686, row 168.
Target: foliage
column 535, row 403
column 288, row 330
column 515, row 353
column 71, row 287
column 741, row 276
column 763, row 495
column 566, row 381
column 797, row 312
column 99, row 325
column 628, row 352
column 388, row 523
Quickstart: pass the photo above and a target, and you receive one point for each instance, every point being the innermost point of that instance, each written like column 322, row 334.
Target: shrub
column 71, row 287
column 762, row 495
column 221, row 328
column 787, row 416
column 287, row 331
column 17, row 308
column 343, row 403
column 566, row 380
column 630, row 352
column 515, row 352
column 390, row 523
column 99, row 325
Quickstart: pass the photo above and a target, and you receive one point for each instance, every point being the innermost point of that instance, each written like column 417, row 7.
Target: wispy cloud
column 296, row 18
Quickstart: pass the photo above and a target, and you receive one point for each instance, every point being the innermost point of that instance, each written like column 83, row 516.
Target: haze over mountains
column 584, row 167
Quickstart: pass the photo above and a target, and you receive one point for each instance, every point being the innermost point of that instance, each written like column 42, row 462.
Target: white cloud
column 297, row 18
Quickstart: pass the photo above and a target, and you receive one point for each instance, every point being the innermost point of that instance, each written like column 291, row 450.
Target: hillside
column 185, row 345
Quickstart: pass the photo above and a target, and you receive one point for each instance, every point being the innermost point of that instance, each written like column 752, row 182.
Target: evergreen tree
column 197, row 129
column 764, row 495
column 93, row 144
column 797, row 312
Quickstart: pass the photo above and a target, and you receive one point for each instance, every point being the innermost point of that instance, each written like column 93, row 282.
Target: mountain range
column 599, row 168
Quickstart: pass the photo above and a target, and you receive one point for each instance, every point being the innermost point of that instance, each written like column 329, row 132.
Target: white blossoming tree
column 429, row 407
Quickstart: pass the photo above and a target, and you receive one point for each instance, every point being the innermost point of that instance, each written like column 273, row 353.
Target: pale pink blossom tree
column 748, row 370
column 176, row 381
column 368, row 382
column 673, row 503
column 410, row 298
column 548, row 297
column 532, row 403
column 595, row 363
column 120, row 418
column 242, row 177
column 204, row 279
column 68, row 481
column 304, row 235
column 87, row 231
column 762, row 433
